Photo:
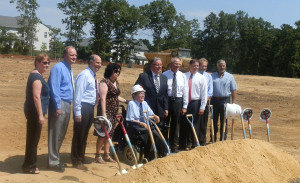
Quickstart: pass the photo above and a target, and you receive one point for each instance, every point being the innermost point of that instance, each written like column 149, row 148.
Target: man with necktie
column 84, row 102
column 156, row 86
column 137, row 124
column 197, row 95
column 61, row 84
column 178, row 100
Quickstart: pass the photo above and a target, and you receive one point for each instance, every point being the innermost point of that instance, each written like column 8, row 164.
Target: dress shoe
column 164, row 126
column 80, row 166
column 86, row 162
column 174, row 150
column 57, row 168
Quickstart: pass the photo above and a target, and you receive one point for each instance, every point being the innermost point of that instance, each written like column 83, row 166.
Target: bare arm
column 233, row 96
column 36, row 91
column 121, row 99
column 103, row 92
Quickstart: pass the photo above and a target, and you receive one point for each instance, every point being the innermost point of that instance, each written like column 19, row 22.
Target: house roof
column 12, row 22
column 9, row 22
column 139, row 45
column 85, row 42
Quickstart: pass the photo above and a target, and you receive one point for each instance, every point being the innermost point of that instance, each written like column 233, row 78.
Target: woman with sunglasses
column 108, row 106
column 35, row 108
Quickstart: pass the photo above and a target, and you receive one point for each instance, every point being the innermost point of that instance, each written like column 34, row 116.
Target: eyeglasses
column 141, row 93
column 45, row 63
column 117, row 72
column 177, row 64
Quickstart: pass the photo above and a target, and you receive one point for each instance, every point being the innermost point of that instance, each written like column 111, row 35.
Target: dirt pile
column 228, row 161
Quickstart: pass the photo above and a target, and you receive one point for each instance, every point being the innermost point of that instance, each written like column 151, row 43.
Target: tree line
column 249, row 45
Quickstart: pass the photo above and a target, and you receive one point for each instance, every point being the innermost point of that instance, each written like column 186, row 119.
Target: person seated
column 137, row 123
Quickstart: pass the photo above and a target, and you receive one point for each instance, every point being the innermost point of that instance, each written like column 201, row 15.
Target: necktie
column 73, row 84
column 174, row 86
column 141, row 113
column 190, row 87
column 156, row 83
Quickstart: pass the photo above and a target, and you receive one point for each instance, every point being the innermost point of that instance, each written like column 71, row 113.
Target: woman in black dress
column 35, row 108
column 108, row 107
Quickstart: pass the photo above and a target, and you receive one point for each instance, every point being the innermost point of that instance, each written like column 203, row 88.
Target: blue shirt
column 209, row 82
column 85, row 90
column 223, row 85
column 133, row 111
column 60, row 84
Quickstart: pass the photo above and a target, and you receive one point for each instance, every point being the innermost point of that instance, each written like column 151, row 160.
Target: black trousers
column 203, row 126
column 186, row 136
column 175, row 106
column 80, row 133
column 143, row 133
column 218, row 110
column 33, row 133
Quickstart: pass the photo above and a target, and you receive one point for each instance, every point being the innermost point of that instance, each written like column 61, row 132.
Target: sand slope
column 229, row 161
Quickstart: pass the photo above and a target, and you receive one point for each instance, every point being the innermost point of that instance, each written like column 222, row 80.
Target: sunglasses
column 46, row 63
column 117, row 72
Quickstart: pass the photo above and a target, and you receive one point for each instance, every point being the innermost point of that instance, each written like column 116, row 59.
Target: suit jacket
column 157, row 101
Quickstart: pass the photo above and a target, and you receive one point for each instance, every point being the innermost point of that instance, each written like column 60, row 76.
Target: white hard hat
column 137, row 88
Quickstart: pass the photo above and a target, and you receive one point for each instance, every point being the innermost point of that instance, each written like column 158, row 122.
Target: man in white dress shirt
column 204, row 118
column 178, row 100
column 197, row 95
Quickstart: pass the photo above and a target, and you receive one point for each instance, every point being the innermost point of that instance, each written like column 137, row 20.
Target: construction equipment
column 166, row 55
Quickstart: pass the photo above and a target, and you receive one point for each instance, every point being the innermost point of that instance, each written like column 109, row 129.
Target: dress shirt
column 85, row 90
column 133, row 111
column 209, row 83
column 182, row 85
column 223, row 85
column 60, row 83
column 199, row 88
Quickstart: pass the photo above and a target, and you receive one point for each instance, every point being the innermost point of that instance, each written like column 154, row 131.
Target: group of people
column 57, row 95
column 167, row 96
column 173, row 94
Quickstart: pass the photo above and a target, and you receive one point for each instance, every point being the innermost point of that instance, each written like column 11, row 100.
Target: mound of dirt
column 227, row 161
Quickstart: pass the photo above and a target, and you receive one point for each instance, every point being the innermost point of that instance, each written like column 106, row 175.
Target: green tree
column 256, row 46
column 208, row 40
column 159, row 17
column 114, row 24
column 78, row 15
column 55, row 45
column 28, row 22
column 7, row 40
column 287, row 52
column 181, row 34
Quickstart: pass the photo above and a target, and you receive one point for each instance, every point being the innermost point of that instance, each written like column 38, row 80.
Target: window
column 45, row 34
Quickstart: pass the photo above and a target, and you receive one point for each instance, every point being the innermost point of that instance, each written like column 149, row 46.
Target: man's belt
column 175, row 98
column 220, row 98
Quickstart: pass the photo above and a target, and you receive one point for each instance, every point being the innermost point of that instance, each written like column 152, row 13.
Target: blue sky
column 277, row 12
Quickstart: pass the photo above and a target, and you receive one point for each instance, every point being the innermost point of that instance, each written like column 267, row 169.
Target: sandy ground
column 235, row 160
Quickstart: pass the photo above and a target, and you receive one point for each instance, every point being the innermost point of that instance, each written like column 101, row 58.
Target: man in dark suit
column 156, row 88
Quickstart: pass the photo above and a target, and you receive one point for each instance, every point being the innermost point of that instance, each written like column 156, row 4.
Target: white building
column 43, row 37
column 136, row 53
